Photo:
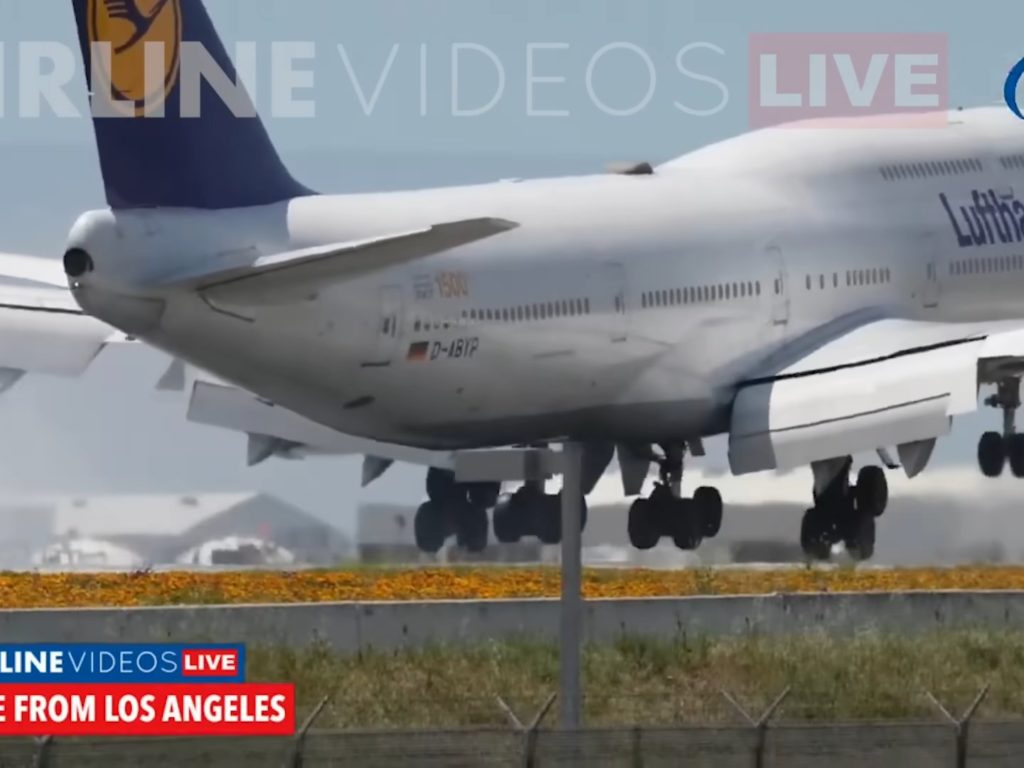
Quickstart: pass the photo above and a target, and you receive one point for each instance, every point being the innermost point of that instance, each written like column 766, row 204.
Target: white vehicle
column 811, row 292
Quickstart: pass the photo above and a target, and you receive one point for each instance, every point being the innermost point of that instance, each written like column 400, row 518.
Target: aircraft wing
column 859, row 386
column 277, row 431
column 285, row 277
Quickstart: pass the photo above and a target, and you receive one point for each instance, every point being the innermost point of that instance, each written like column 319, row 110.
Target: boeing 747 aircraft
column 811, row 291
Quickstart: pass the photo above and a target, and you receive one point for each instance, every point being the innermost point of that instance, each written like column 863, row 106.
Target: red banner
column 174, row 709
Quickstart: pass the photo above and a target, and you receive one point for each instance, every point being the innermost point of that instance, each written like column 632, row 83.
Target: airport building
column 133, row 531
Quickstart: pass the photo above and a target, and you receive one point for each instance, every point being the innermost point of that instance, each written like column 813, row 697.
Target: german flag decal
column 418, row 351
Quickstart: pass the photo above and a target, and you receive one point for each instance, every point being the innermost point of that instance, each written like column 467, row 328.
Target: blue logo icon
column 1012, row 86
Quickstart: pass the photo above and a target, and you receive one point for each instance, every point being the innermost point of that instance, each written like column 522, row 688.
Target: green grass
column 642, row 682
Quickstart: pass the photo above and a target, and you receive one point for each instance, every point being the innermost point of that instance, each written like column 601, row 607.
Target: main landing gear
column 995, row 449
column 452, row 508
column 844, row 513
column 531, row 512
column 665, row 513
column 460, row 509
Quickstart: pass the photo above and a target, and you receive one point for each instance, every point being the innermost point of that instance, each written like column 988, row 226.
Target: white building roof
column 138, row 514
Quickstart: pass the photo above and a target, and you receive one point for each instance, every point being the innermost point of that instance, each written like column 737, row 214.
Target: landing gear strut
column 994, row 449
column 666, row 513
column 844, row 513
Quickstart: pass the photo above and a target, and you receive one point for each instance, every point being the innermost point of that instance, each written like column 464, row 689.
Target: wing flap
column 887, row 383
column 287, row 277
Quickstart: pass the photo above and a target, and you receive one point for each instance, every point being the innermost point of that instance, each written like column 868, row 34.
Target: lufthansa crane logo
column 127, row 29
column 1012, row 86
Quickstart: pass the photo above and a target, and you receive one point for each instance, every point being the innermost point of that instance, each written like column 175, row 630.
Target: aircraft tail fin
column 174, row 125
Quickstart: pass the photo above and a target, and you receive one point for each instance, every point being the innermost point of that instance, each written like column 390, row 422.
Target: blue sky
column 110, row 432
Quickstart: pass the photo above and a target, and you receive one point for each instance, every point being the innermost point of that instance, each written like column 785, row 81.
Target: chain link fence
column 788, row 730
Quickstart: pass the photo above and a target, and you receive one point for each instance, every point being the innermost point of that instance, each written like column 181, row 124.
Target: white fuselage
column 623, row 308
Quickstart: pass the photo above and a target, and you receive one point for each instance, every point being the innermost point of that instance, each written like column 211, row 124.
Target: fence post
column 42, row 751
column 961, row 726
column 300, row 737
column 529, row 732
column 760, row 724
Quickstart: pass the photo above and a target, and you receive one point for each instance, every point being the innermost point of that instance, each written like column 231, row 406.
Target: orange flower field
column 465, row 583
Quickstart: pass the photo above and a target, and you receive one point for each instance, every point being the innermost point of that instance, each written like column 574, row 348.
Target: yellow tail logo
column 127, row 28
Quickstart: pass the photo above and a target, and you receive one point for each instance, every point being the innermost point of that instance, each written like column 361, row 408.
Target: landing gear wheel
column 991, row 454
column 429, row 528
column 814, row 535
column 441, row 485
column 1015, row 453
column 508, row 522
column 708, row 507
column 643, row 531
column 471, row 525
column 548, row 519
column 861, row 541
column 484, row 495
column 872, row 492
column 686, row 524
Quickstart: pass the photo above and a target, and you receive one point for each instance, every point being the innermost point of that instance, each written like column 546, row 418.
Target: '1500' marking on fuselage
column 456, row 349
column 989, row 219
column 452, row 285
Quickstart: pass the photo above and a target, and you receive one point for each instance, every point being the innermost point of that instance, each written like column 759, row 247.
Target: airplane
column 811, row 291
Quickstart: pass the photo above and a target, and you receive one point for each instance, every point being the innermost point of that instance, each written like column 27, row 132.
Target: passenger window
column 808, row 282
column 758, row 286
column 821, row 282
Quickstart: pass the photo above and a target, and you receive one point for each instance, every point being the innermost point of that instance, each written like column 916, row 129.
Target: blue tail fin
column 169, row 139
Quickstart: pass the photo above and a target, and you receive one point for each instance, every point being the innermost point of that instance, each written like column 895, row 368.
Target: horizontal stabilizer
column 287, row 277
column 32, row 269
